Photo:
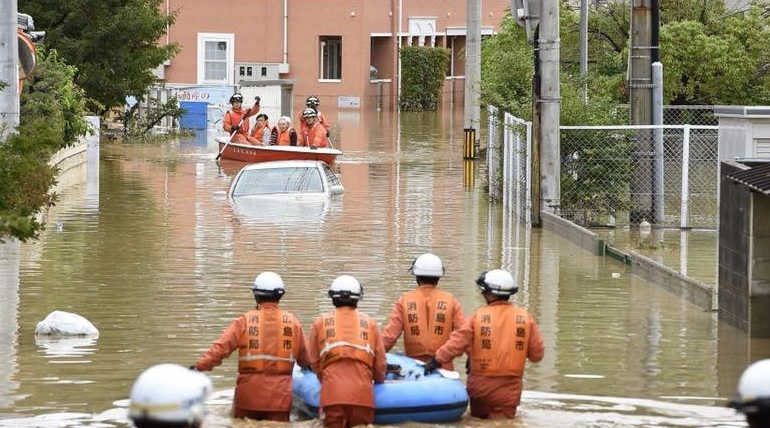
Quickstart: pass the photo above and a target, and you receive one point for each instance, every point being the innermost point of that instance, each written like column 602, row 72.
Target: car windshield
column 279, row 180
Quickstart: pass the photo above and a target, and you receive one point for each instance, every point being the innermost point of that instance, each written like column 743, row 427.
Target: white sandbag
column 60, row 323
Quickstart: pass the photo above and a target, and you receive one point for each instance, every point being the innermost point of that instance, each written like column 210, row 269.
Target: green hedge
column 423, row 71
column 52, row 110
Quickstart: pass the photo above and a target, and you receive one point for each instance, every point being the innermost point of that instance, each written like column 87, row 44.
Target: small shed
column 744, row 245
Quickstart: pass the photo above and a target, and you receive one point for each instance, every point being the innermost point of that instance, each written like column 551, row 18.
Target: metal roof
column 757, row 178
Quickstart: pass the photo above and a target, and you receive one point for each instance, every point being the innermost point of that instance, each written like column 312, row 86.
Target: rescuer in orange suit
column 426, row 315
column 269, row 341
column 236, row 115
column 312, row 102
column 347, row 354
column 500, row 336
column 316, row 133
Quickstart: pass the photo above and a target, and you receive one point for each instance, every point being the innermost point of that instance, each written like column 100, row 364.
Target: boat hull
column 429, row 399
column 252, row 154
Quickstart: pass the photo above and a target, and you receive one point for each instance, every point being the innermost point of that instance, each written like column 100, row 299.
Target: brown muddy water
column 160, row 261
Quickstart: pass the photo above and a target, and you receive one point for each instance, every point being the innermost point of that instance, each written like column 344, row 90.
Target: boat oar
column 237, row 127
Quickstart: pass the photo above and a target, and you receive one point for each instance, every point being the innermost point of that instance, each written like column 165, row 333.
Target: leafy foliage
column 113, row 43
column 52, row 110
column 137, row 123
column 423, row 71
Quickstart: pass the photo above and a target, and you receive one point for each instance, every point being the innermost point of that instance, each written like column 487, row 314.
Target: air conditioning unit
column 255, row 71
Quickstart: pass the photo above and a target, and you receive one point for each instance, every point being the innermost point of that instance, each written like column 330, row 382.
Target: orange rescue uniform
column 257, row 134
column 347, row 353
column 500, row 337
column 233, row 116
column 303, row 128
column 269, row 341
column 426, row 316
column 283, row 138
column 316, row 136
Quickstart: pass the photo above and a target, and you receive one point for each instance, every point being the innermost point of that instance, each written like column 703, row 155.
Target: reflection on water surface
column 164, row 264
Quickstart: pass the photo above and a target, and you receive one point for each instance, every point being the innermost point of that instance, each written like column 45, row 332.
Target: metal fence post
column 657, row 119
column 685, row 176
column 493, row 154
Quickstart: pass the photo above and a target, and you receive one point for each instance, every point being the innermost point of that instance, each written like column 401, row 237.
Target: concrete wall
column 688, row 288
column 760, row 251
column 734, row 252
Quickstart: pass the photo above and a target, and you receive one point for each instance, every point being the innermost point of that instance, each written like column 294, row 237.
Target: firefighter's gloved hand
column 234, row 128
column 257, row 100
column 393, row 368
column 431, row 366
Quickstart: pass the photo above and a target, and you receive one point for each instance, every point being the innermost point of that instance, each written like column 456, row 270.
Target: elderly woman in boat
column 283, row 134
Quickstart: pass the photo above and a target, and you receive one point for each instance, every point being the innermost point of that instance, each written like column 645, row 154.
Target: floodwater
column 160, row 261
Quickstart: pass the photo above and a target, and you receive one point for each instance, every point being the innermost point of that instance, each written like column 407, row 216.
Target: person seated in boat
column 260, row 135
column 316, row 134
column 753, row 396
column 269, row 341
column 312, row 102
column 347, row 354
column 283, row 134
column 499, row 337
column 169, row 396
column 236, row 121
column 425, row 315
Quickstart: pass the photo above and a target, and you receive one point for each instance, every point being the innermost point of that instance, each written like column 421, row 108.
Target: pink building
column 328, row 48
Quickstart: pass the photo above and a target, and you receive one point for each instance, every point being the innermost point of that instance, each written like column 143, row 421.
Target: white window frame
column 228, row 38
column 321, row 62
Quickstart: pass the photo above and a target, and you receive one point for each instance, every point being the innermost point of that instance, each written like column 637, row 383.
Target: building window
column 331, row 58
column 216, row 58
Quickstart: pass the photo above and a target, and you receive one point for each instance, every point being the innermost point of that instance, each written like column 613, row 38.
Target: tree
column 114, row 44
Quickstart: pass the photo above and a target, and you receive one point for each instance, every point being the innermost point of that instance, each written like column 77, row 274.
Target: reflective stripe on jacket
column 500, row 340
column 428, row 321
column 347, row 334
column 268, row 345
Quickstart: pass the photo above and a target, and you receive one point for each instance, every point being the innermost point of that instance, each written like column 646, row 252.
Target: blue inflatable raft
column 410, row 396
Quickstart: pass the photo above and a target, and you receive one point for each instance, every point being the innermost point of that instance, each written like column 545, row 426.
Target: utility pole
column 642, row 182
column 9, row 68
column 550, row 101
column 584, row 47
column 472, row 72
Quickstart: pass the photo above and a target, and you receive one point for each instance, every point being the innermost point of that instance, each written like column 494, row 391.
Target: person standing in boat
column 283, row 134
column 235, row 121
column 499, row 338
column 269, row 341
column 260, row 135
column 425, row 315
column 312, row 102
column 347, row 354
column 316, row 133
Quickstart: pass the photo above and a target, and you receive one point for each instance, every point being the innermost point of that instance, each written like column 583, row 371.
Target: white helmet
column 169, row 393
column 268, row 284
column 754, row 389
column 498, row 282
column 346, row 287
column 428, row 265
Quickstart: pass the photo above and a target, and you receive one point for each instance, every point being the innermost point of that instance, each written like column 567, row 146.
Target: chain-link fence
column 614, row 175
column 510, row 175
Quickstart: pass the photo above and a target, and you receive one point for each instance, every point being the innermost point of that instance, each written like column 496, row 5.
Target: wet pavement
column 161, row 262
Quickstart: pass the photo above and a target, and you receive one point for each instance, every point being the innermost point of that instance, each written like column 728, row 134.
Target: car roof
column 283, row 164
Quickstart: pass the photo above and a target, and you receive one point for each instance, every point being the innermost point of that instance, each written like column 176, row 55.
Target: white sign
column 348, row 102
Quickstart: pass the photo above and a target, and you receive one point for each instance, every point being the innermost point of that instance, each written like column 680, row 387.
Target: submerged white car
column 294, row 178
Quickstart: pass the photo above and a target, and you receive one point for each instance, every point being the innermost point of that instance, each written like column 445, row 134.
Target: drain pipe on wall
column 285, row 26
column 398, row 38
